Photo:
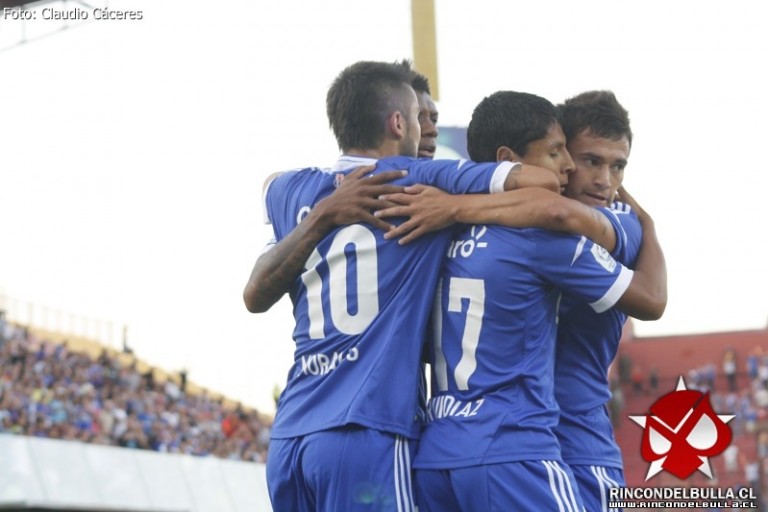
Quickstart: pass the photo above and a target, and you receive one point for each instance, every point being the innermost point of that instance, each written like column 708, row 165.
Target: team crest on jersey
column 337, row 179
column 604, row 258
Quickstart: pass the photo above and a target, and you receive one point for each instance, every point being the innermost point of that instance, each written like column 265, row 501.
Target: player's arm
column 591, row 273
column 527, row 176
column 430, row 209
column 275, row 271
column 646, row 296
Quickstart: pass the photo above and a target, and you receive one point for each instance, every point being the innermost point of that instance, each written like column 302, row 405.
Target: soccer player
column 489, row 443
column 428, row 116
column 353, row 201
column 342, row 432
column 599, row 139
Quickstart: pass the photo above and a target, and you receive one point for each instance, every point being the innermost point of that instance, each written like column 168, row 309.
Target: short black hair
column 420, row 83
column 360, row 99
column 597, row 111
column 508, row 118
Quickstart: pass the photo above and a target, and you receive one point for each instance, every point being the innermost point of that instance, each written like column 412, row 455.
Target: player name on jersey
column 321, row 364
column 447, row 405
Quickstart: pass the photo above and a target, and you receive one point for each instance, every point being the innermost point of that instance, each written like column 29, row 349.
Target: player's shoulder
column 281, row 185
column 296, row 172
column 291, row 176
column 396, row 162
column 628, row 229
column 623, row 213
column 620, row 208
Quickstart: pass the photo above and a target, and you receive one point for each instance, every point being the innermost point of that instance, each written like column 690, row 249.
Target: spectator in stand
column 747, row 411
column 616, row 403
column 625, row 369
column 230, row 424
column 653, row 380
column 708, row 376
column 183, row 380
column 638, row 377
column 731, row 458
column 762, row 445
column 2, row 327
column 753, row 361
column 760, row 397
column 752, row 475
column 731, row 406
column 730, row 369
column 762, row 371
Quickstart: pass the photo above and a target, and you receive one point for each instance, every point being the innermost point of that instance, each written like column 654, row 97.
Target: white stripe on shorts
column 403, row 488
column 605, row 483
column 562, row 490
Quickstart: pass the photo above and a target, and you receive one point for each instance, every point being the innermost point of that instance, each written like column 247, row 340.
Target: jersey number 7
column 459, row 289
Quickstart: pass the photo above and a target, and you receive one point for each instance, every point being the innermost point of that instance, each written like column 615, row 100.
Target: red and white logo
column 682, row 432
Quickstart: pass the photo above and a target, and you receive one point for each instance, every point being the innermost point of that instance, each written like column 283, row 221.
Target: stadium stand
column 68, row 414
column 48, row 390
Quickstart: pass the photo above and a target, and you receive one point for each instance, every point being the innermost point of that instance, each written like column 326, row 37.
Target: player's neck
column 388, row 148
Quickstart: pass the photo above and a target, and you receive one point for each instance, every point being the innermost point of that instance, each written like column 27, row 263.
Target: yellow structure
column 425, row 42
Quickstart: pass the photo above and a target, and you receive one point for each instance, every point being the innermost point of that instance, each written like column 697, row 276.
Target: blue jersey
column 494, row 337
column 362, row 303
column 587, row 343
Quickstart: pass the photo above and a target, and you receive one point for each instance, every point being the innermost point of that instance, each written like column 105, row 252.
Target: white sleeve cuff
column 615, row 292
column 500, row 175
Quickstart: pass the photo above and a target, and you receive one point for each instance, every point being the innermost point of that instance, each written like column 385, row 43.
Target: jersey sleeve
column 265, row 190
column 454, row 176
column 628, row 227
column 582, row 268
column 283, row 198
column 272, row 196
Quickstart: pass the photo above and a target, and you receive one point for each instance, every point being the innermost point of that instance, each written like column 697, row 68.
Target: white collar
column 346, row 162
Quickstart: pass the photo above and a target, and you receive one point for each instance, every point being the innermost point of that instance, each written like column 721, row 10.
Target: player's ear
column 396, row 124
column 505, row 154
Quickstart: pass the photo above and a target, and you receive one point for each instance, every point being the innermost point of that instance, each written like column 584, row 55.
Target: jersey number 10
column 366, row 289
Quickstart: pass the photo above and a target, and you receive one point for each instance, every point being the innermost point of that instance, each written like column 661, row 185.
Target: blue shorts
column 346, row 469
column 595, row 483
column 534, row 486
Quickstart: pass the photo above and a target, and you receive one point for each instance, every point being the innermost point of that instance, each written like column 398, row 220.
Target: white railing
column 50, row 473
column 57, row 320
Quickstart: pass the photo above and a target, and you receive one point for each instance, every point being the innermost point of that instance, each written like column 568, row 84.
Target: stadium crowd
column 47, row 390
column 741, row 389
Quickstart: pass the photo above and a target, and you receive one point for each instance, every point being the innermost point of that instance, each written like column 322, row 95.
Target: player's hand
column 428, row 208
column 358, row 196
column 625, row 197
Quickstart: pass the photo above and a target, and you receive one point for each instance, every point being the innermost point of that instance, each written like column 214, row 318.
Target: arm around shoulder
column 276, row 270
column 530, row 176
column 646, row 297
